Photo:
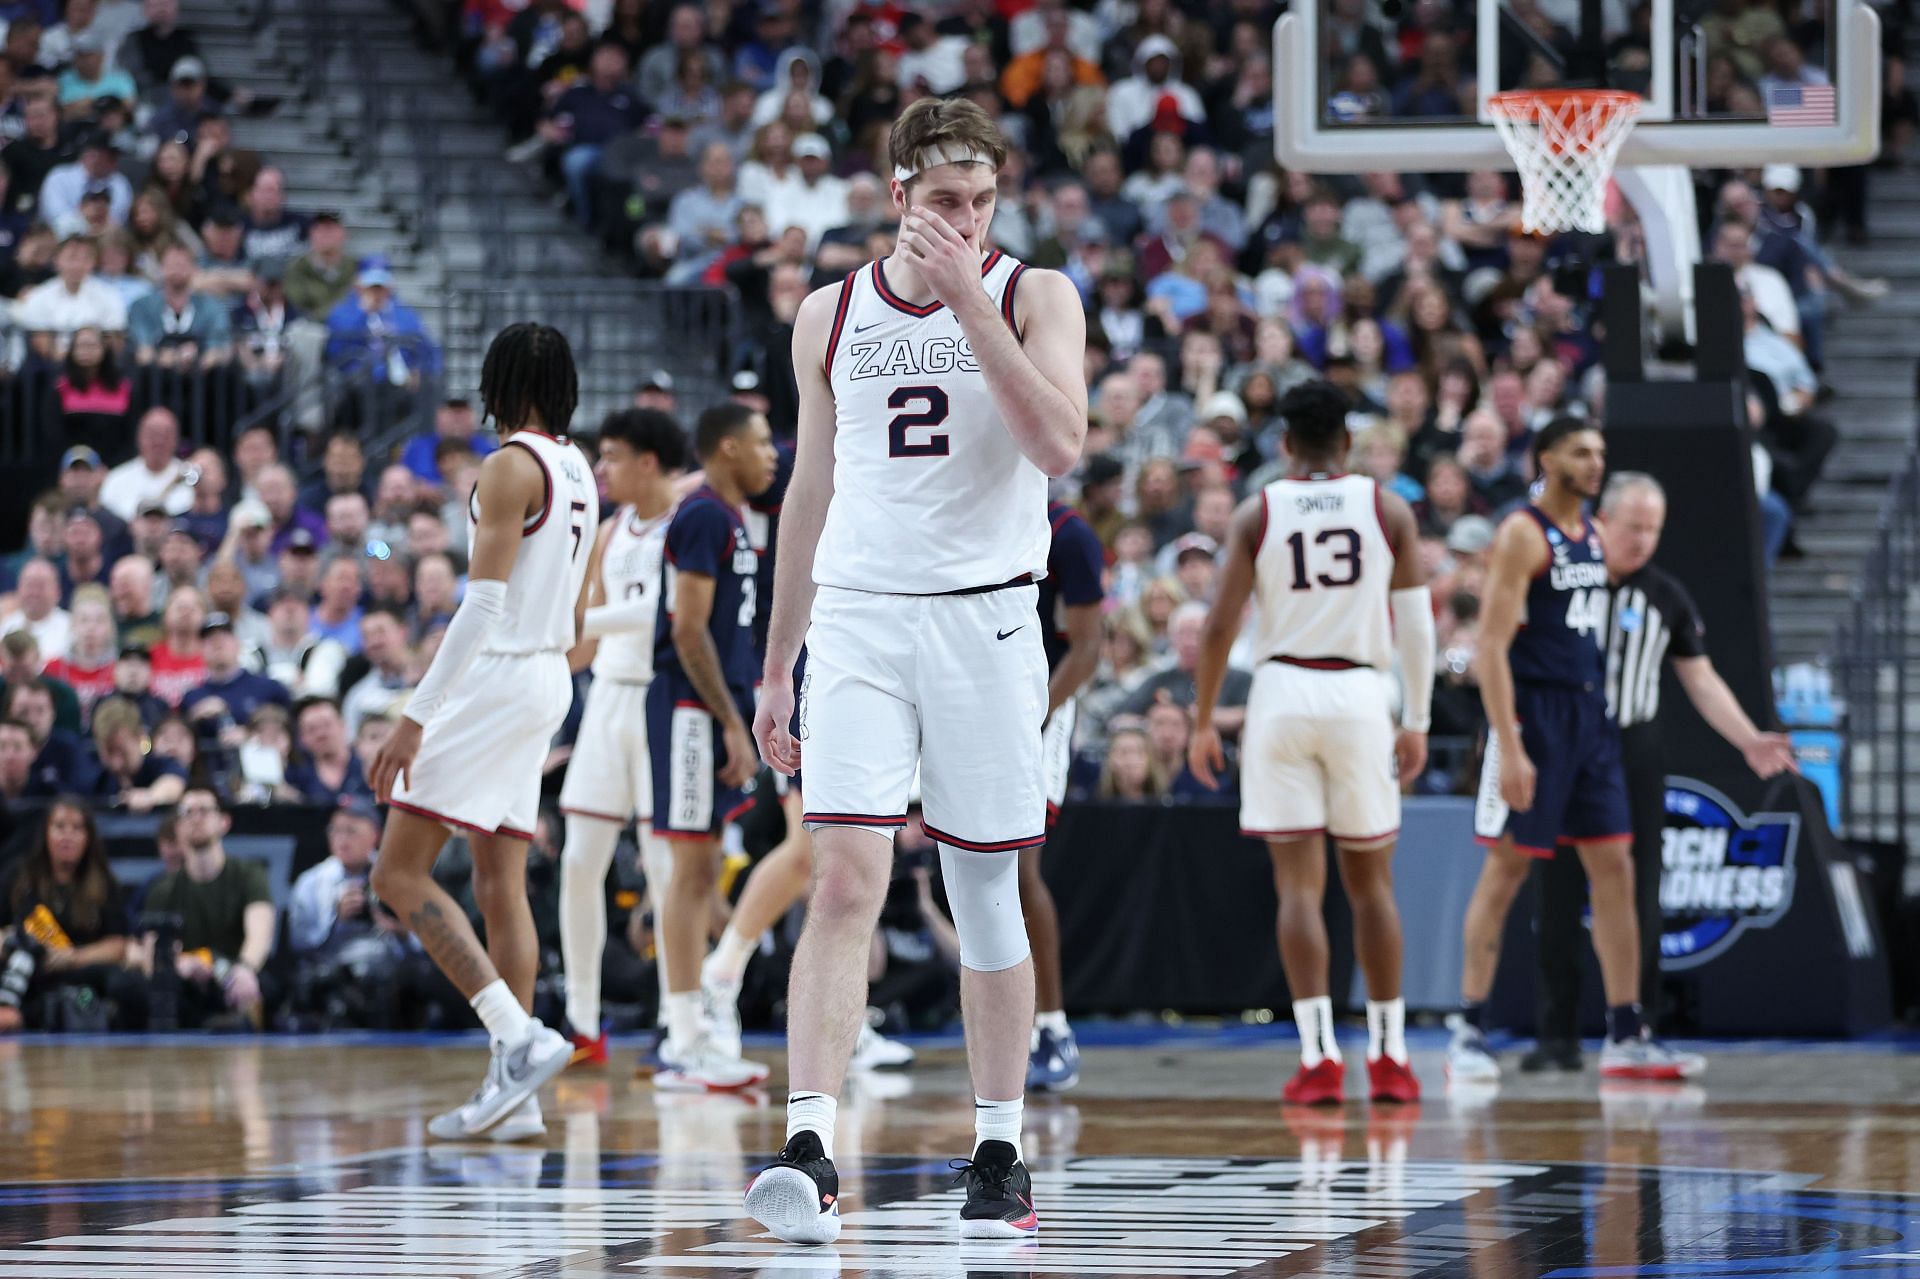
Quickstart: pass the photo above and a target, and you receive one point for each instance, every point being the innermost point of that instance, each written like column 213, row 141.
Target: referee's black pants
column 1562, row 887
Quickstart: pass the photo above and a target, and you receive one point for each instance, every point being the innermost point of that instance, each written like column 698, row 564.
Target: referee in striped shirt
column 1651, row 620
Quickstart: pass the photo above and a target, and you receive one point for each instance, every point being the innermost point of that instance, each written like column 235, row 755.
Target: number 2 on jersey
column 937, row 409
column 1349, row 558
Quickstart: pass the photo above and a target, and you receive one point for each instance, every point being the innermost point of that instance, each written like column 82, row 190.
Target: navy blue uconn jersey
column 763, row 531
column 708, row 537
column 1562, row 639
column 1074, row 564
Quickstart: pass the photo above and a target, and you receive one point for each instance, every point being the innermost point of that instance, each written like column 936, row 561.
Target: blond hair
column 933, row 127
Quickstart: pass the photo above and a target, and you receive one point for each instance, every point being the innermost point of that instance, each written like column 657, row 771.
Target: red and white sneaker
column 705, row 1068
column 1322, row 1085
column 1644, row 1057
column 1390, row 1080
column 587, row 1052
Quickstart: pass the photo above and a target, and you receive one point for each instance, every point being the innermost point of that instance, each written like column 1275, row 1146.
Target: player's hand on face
column 741, row 763
column 1410, row 754
column 1206, row 757
column 395, row 760
column 1516, row 780
column 770, row 721
column 945, row 260
column 1770, row 754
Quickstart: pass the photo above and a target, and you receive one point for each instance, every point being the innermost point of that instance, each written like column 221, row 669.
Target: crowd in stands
column 188, row 631
column 144, row 258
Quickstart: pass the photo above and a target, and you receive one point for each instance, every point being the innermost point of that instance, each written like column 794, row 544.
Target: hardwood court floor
column 308, row 1157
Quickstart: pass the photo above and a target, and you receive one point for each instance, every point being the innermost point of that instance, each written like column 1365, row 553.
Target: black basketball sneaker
column 797, row 1196
column 999, row 1194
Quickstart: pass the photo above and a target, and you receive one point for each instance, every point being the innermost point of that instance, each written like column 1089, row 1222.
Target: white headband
column 934, row 157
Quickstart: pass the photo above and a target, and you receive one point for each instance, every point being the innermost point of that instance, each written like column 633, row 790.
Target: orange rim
column 1520, row 104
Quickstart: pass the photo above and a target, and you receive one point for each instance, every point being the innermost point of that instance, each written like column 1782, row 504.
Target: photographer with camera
column 63, row 932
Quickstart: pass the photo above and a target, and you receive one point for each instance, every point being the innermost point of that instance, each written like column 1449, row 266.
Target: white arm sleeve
column 1413, row 641
column 627, row 615
column 473, row 621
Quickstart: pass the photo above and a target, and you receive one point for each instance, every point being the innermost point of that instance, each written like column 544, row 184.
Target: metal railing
column 1876, row 672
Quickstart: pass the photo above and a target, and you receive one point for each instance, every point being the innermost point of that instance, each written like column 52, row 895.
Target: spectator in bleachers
column 130, row 589
column 21, row 663
column 275, row 486
column 226, row 588
column 75, row 299
column 61, row 760
column 17, row 753
column 133, row 681
column 41, row 148
column 1798, row 441
column 587, row 117
column 372, row 332
column 326, row 771
column 248, row 544
column 1173, row 680
column 321, row 278
column 87, row 665
column 83, row 549
column 171, row 179
column 180, row 555
column 700, row 219
column 179, row 659
column 178, row 118
column 353, row 951
column 1489, row 460
column 347, row 518
column 63, row 901
column 97, row 167
column 179, row 328
column 343, row 469
column 91, row 79
column 436, row 592
column 131, row 776
column 227, row 916
column 1131, row 771
column 271, row 230
column 117, row 267
column 660, row 67
column 455, row 421
column 640, row 176
column 337, row 613
column 37, row 609
column 265, row 327
column 155, row 473
column 230, row 693
column 224, row 269
column 378, row 678
column 1134, row 102
column 393, row 503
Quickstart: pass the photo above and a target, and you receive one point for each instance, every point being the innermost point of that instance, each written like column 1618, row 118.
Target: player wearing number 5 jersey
column 939, row 387
column 1333, row 564
column 698, row 708
column 1553, row 771
column 468, row 751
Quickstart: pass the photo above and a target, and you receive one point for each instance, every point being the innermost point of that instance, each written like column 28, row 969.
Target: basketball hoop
column 1564, row 141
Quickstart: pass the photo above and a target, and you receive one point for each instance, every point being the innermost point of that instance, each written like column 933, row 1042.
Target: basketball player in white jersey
column 610, row 777
column 468, row 750
column 1333, row 563
column 939, row 388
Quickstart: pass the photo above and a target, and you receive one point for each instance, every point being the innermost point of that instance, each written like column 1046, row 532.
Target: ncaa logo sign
column 1722, row 872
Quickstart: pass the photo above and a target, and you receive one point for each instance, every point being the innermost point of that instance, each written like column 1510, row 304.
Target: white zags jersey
column 554, row 548
column 1324, row 572
column 930, row 493
column 630, row 574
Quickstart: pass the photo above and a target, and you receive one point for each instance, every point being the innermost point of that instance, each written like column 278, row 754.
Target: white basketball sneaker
column 1469, row 1060
column 704, row 1067
column 513, row 1075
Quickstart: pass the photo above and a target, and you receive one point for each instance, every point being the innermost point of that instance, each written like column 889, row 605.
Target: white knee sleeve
column 584, row 862
column 983, row 892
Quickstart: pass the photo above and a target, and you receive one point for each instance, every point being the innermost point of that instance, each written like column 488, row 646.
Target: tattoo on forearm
column 460, row 958
column 701, row 661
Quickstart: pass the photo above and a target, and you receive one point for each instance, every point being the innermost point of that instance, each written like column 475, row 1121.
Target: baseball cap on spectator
column 1103, row 468
column 79, row 455
column 96, row 191
column 811, row 144
column 89, row 42
column 138, row 652
column 99, row 140
column 186, row 70
column 151, row 506
column 1223, row 404
column 1780, row 177
column 1470, row 535
column 223, row 215
column 360, row 806
column 658, row 380
column 375, row 272
column 1194, row 544
column 216, row 622
column 77, row 513
column 251, row 512
column 300, row 542
column 326, row 215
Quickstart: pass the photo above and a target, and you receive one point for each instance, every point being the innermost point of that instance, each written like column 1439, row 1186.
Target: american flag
column 1800, row 105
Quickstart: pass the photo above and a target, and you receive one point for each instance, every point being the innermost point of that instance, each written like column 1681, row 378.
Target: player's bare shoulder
column 811, row 325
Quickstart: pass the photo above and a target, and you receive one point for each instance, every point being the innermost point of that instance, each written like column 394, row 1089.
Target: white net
column 1563, row 142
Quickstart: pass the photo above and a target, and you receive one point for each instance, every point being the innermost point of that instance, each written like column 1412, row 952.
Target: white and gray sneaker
column 524, row 1124
column 874, row 1051
column 1644, row 1057
column 720, row 1009
column 1469, row 1060
column 704, row 1067
column 513, row 1075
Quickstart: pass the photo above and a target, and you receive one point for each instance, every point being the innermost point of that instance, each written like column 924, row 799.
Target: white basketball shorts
column 1056, row 756
column 611, row 775
column 1317, row 755
column 955, row 684
column 481, row 755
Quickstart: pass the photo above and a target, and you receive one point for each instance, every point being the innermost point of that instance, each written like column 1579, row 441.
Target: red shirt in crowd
column 90, row 683
column 176, row 674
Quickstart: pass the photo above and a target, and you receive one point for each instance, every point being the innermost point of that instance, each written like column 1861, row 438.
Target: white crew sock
column 1055, row 1021
column 728, row 962
column 1314, row 1018
column 584, row 862
column 683, row 1019
column 998, row 1121
column 812, row 1112
column 506, row 1021
column 1387, row 1029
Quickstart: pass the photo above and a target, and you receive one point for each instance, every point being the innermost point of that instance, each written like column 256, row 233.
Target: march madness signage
column 1722, row 872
